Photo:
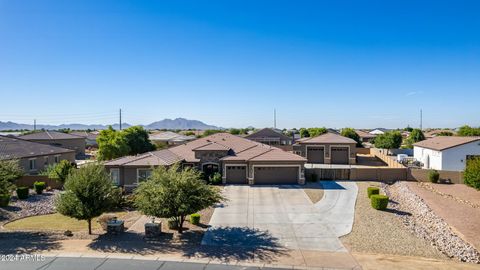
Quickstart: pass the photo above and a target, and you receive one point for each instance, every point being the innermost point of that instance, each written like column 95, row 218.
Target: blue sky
column 363, row 64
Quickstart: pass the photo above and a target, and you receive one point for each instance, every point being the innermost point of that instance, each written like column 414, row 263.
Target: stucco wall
column 42, row 162
column 74, row 144
column 327, row 157
column 452, row 159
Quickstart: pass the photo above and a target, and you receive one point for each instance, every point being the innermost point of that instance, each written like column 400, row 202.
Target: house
column 365, row 137
column 448, row 153
column 170, row 138
column 239, row 160
column 270, row 136
column 328, row 148
column 378, row 131
column 90, row 137
column 60, row 139
column 438, row 132
column 33, row 157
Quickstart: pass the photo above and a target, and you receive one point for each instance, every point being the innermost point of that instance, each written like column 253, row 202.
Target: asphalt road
column 66, row 263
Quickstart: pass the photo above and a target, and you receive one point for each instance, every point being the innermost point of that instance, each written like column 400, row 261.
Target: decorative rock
column 153, row 230
column 115, row 226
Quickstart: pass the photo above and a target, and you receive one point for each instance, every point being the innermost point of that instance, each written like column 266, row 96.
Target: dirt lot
column 382, row 232
column 457, row 204
column 314, row 191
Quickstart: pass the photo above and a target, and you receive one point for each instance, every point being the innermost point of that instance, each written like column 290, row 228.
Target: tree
column 445, row 133
column 209, row 132
column 468, row 131
column 137, row 140
column 472, row 173
column 304, row 133
column 10, row 171
column 408, row 128
column 89, row 192
column 173, row 193
column 314, row 132
column 59, row 171
column 352, row 134
column 416, row 135
column 388, row 140
column 235, row 131
column 111, row 144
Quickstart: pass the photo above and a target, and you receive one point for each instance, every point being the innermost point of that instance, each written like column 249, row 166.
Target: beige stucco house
column 328, row 148
column 60, row 139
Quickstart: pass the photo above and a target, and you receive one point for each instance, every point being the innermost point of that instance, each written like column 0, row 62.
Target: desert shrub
column 313, row 177
column 472, row 173
column 104, row 219
column 195, row 219
column 172, row 224
column 373, row 191
column 4, row 200
column 22, row 193
column 215, row 179
column 39, row 187
column 379, row 202
column 433, row 176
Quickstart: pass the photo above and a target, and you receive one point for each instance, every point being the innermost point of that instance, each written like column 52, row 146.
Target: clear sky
column 363, row 64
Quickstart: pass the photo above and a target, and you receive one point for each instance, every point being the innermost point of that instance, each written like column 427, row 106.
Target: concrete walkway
column 284, row 217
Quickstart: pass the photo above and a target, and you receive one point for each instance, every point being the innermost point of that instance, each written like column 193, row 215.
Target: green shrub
column 39, row 187
column 433, row 176
column 22, row 193
column 172, row 224
column 373, row 191
column 379, row 202
column 472, row 173
column 215, row 179
column 195, row 219
column 4, row 200
column 313, row 177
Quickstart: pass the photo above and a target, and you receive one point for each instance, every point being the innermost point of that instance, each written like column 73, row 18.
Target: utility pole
column 34, row 124
column 421, row 119
column 274, row 118
column 120, row 119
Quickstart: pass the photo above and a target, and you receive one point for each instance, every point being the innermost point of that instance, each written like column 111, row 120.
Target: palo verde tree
column 350, row 133
column 89, row 192
column 10, row 171
column 389, row 140
column 59, row 171
column 174, row 194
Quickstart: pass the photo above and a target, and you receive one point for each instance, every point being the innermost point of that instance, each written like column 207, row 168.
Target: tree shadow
column 27, row 242
column 331, row 185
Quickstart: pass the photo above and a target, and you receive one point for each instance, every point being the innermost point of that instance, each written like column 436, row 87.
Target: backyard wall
column 363, row 151
column 421, row 175
column 360, row 174
column 390, row 160
column 28, row 180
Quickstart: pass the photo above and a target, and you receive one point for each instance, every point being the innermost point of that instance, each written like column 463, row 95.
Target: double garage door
column 339, row 155
column 263, row 175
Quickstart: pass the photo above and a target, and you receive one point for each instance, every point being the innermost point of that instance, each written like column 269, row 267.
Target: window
column 56, row 158
column 143, row 174
column 115, row 174
column 32, row 164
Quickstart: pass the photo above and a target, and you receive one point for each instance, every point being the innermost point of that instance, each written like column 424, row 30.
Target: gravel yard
column 314, row 191
column 35, row 205
column 383, row 232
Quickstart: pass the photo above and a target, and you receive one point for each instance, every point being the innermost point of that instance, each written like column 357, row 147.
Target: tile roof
column 17, row 148
column 49, row 135
column 268, row 133
column 84, row 134
column 212, row 147
column 161, row 157
column 328, row 138
column 444, row 142
column 364, row 134
column 170, row 136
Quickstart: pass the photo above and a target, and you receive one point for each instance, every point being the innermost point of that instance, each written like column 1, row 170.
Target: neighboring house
column 270, row 136
column 90, row 137
column 448, row 153
column 328, row 148
column 59, row 139
column 170, row 138
column 239, row 160
column 378, row 131
column 435, row 132
column 365, row 137
column 33, row 157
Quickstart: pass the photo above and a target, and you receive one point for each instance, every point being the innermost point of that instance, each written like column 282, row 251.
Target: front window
column 57, row 159
column 115, row 174
column 143, row 174
column 32, row 164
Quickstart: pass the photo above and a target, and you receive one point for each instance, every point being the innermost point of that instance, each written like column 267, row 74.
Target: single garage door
column 339, row 155
column 236, row 174
column 276, row 175
column 315, row 155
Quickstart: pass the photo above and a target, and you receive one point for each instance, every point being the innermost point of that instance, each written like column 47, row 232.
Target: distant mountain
column 179, row 123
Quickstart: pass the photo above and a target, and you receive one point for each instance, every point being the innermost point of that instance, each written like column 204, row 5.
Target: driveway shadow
column 27, row 242
column 331, row 185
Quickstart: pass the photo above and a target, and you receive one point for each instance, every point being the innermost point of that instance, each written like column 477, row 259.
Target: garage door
column 315, row 155
column 276, row 175
column 339, row 155
column 236, row 174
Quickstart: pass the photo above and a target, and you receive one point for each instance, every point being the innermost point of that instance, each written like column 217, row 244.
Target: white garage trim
column 252, row 180
column 224, row 177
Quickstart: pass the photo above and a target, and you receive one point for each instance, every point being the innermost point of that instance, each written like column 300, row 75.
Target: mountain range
column 178, row 123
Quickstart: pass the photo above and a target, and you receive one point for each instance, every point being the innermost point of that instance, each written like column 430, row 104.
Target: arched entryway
column 209, row 169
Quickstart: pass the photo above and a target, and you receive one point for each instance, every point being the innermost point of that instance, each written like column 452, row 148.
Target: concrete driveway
column 284, row 216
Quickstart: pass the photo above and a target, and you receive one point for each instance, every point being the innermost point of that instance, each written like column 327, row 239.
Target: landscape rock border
column 424, row 223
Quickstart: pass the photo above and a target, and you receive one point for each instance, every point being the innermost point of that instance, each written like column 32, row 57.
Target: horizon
column 360, row 65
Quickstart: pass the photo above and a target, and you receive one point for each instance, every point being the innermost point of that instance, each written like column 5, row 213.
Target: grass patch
column 55, row 222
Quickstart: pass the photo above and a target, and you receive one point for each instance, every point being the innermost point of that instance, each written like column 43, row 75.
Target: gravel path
column 383, row 232
column 35, row 205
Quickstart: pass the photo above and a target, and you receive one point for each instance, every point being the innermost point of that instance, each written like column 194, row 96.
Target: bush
column 215, row 179
column 22, row 193
column 195, row 219
column 373, row 191
column 39, row 187
column 313, row 177
column 433, row 176
column 4, row 200
column 379, row 202
column 472, row 173
column 172, row 224
column 104, row 219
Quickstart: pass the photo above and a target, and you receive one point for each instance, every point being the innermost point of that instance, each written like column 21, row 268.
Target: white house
column 448, row 153
column 378, row 131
